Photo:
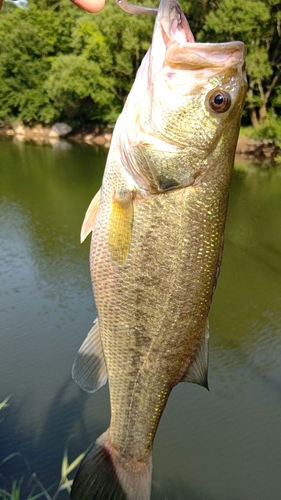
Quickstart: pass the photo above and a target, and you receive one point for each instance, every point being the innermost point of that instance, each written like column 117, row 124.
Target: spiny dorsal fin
column 89, row 370
column 197, row 373
column 90, row 217
column 120, row 227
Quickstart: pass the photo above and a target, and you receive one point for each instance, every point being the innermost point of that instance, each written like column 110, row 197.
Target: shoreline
column 248, row 150
column 256, row 150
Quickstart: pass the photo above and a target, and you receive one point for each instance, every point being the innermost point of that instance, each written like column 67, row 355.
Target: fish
column 157, row 228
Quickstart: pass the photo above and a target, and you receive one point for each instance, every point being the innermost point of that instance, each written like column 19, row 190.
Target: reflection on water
column 210, row 446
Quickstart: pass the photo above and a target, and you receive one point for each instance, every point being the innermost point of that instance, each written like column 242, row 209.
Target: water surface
column 217, row 445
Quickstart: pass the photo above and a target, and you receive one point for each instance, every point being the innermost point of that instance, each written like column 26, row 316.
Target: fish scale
column 128, row 305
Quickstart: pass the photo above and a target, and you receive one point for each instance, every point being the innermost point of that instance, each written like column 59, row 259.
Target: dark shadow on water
column 44, row 456
column 274, row 384
column 63, row 427
column 265, row 258
column 13, row 463
column 57, row 432
column 64, row 424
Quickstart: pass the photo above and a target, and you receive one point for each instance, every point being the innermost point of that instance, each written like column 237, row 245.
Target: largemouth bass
column 157, row 234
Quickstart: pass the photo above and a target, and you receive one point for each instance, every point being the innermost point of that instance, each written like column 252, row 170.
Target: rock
column 10, row 131
column 37, row 130
column 107, row 137
column 257, row 149
column 19, row 129
column 53, row 134
column 89, row 138
column 99, row 139
column 60, row 130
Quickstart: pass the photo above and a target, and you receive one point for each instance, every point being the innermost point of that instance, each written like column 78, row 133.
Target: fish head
column 183, row 113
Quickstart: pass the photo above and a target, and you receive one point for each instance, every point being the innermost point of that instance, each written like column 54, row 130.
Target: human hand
column 89, row 5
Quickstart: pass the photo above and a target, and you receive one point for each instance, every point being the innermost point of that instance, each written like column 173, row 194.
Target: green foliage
column 36, row 488
column 237, row 18
column 79, row 90
column 257, row 24
column 59, row 63
column 117, row 44
column 270, row 129
column 4, row 403
column 277, row 97
column 91, row 84
column 14, row 494
column 30, row 39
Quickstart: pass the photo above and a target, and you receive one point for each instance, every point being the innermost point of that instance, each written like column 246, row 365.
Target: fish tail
column 105, row 475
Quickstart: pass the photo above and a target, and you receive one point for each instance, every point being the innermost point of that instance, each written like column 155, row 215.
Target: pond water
column 217, row 445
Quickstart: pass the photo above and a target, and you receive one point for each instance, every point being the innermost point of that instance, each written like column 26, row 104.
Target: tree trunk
column 262, row 113
column 252, row 110
column 254, row 118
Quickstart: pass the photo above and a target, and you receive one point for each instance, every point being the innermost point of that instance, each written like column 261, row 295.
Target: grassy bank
column 12, row 489
column 270, row 130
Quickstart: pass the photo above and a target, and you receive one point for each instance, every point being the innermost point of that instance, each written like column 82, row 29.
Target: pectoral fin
column 120, row 227
column 197, row 373
column 89, row 370
column 90, row 217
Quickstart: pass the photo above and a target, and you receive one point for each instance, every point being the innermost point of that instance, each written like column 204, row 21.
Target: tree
column 56, row 62
column 92, row 83
column 117, row 41
column 30, row 39
column 69, row 65
column 257, row 24
column 80, row 92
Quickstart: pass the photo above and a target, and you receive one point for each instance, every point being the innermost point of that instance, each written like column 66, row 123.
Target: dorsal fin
column 197, row 373
column 89, row 370
column 90, row 217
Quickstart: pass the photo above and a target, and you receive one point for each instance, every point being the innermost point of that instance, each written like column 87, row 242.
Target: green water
column 219, row 445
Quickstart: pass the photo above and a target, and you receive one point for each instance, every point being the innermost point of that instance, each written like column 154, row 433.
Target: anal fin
column 197, row 373
column 89, row 370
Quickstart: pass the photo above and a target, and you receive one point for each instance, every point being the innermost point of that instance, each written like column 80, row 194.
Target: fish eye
column 219, row 100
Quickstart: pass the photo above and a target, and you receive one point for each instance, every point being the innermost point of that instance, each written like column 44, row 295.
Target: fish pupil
column 218, row 99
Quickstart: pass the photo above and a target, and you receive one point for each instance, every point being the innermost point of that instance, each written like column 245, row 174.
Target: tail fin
column 105, row 475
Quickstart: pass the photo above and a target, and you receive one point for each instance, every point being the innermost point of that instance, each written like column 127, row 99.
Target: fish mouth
column 173, row 23
column 175, row 69
column 173, row 39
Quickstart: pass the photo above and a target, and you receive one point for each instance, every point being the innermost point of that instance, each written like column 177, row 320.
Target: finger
column 89, row 5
